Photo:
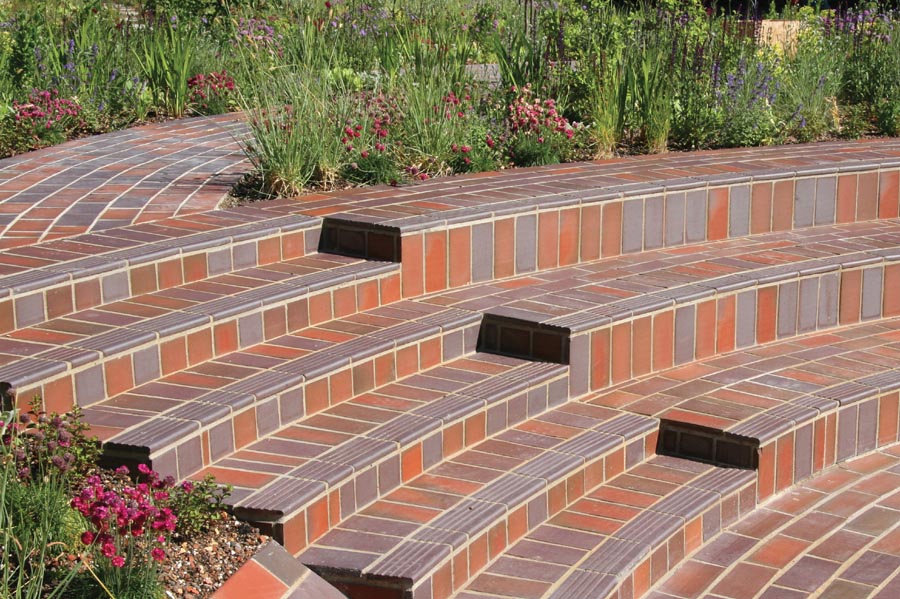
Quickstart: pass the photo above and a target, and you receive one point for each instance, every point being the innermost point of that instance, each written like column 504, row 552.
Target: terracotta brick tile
column 504, row 248
column 889, row 194
column 413, row 265
column 891, row 281
column 225, row 336
column 705, row 338
column 779, row 551
column 693, row 578
column 194, row 268
column 761, row 208
column 766, row 314
column 251, row 580
column 611, row 235
column 436, row 266
column 718, row 214
column 620, row 353
column 783, row 206
column 590, row 228
column 642, row 346
column 460, row 256
column 548, row 240
column 143, row 279
column 170, row 273
column 663, row 341
column 888, row 418
column 173, row 356
column 245, row 428
column 320, row 308
column 846, row 199
column 569, row 227
column 87, row 294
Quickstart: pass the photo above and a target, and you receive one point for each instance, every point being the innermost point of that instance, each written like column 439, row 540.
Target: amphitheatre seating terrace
column 565, row 382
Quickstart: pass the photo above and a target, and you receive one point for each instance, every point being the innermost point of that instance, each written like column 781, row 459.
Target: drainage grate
column 707, row 445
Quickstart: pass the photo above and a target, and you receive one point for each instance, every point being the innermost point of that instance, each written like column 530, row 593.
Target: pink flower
column 87, row 537
column 118, row 561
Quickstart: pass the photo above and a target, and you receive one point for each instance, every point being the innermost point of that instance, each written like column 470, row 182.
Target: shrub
column 212, row 93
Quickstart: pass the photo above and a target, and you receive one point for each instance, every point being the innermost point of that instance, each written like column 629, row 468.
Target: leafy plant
column 166, row 55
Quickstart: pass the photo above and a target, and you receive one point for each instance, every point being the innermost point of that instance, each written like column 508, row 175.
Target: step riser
column 809, row 447
column 61, row 292
column 611, row 353
column 533, row 235
column 461, row 566
column 204, row 442
column 297, row 530
column 121, row 371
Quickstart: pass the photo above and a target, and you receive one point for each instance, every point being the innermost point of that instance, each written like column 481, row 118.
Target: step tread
column 588, row 549
column 762, row 392
column 587, row 295
column 106, row 331
column 413, row 531
column 237, row 379
column 346, row 440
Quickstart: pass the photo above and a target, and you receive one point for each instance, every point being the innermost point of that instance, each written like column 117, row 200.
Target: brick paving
column 137, row 175
column 557, row 382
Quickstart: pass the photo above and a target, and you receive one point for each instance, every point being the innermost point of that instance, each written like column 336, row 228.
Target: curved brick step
column 442, row 527
column 622, row 536
column 88, row 356
column 788, row 409
column 493, row 226
column 836, row 535
column 203, row 412
column 619, row 318
column 53, row 279
column 300, row 481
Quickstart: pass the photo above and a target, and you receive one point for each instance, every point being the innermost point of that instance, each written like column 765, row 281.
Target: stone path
column 558, row 382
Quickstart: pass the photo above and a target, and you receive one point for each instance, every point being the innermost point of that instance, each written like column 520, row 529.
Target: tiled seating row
column 564, row 218
column 834, row 536
column 53, row 279
column 202, row 412
column 622, row 537
column 431, row 535
column 322, row 474
column 788, row 409
column 91, row 355
column 623, row 317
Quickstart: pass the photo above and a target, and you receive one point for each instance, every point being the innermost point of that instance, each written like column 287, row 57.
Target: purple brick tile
column 826, row 200
column 654, row 221
column 739, row 211
column 787, row 309
column 685, row 326
column 829, row 299
column 872, row 292
column 632, row 225
column 804, row 202
column 526, row 243
column 675, row 218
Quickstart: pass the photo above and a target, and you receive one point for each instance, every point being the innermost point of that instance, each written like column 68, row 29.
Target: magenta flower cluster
column 45, row 109
column 118, row 517
column 531, row 115
column 210, row 92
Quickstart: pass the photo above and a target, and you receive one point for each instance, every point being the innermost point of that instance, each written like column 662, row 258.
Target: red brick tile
column 118, row 375
column 7, row 317
column 889, row 194
column 87, row 294
column 706, row 329
column 611, row 232
column 888, row 418
column 783, row 206
column 766, row 314
column 766, row 477
column 225, row 336
column 663, row 341
column 170, row 274
column 761, row 208
column 590, row 232
column 725, row 324
column 851, row 284
column 460, row 256
column 435, row 261
column 569, row 236
column 846, row 199
column 245, row 428
column 693, row 578
column 600, row 359
column 784, row 472
column 411, row 462
column 413, row 265
column 867, row 196
column 251, row 580
column 717, row 227
column 173, row 356
column 143, row 279
column 642, row 346
column 548, row 240
column 320, row 308
column 317, row 520
column 194, row 268
column 59, row 395
column 621, row 353
column 504, row 248
column 891, row 281
column 268, row 251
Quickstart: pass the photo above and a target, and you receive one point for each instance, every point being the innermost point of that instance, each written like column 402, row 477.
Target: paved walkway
column 132, row 176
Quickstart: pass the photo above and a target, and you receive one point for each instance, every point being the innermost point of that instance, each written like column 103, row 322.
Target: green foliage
column 166, row 56
column 199, row 504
